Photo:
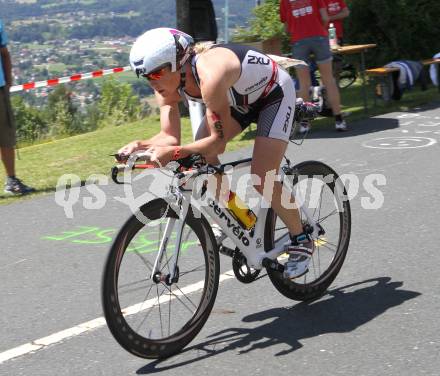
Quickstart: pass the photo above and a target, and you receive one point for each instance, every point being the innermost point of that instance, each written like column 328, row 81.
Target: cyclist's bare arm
column 344, row 13
column 324, row 16
column 169, row 134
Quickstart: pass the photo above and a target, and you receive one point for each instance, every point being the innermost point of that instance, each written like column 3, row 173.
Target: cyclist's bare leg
column 263, row 164
column 326, row 71
column 305, row 82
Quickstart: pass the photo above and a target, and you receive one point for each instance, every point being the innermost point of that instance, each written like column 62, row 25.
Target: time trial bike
column 163, row 270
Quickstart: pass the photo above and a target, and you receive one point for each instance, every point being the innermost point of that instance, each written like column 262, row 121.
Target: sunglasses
column 155, row 75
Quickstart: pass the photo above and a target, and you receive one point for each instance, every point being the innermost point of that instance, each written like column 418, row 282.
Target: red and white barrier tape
column 63, row 80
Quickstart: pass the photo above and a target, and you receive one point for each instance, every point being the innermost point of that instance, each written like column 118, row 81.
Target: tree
column 403, row 29
column 265, row 24
column 31, row 125
column 62, row 120
column 120, row 58
column 117, row 104
column 61, row 113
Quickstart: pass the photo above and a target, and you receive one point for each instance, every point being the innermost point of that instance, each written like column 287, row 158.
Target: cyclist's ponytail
column 202, row 47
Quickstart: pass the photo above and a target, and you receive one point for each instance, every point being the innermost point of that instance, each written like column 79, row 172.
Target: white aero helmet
column 158, row 47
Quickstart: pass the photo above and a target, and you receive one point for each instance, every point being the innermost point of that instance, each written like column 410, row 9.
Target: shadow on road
column 357, row 128
column 341, row 310
column 16, row 198
column 374, row 124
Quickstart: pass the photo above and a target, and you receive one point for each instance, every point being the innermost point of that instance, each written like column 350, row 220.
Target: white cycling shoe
column 299, row 258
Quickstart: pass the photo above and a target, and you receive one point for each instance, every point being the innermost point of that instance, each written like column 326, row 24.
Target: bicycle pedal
column 273, row 265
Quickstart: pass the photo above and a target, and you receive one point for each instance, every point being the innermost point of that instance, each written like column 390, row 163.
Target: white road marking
column 42, row 343
column 431, row 124
column 396, row 143
column 404, row 124
column 13, row 263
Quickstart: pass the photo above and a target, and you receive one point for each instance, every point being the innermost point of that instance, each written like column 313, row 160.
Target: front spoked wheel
column 325, row 198
column 152, row 316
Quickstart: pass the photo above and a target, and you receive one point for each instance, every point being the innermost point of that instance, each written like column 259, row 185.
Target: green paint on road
column 143, row 243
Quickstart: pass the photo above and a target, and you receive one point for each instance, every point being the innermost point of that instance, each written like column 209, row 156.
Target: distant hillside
column 41, row 19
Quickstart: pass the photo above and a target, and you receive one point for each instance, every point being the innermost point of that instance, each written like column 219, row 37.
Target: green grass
column 41, row 165
column 127, row 77
column 123, row 77
column 56, row 68
column 34, row 46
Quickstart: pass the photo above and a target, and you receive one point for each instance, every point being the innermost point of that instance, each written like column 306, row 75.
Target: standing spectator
column 307, row 22
column 337, row 10
column 7, row 126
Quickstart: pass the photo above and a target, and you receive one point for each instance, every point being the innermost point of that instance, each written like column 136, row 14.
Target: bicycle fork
column 173, row 276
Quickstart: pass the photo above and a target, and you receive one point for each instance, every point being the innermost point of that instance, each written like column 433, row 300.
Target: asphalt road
column 380, row 316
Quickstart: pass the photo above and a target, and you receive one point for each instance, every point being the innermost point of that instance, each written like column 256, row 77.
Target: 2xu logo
column 286, row 122
column 258, row 60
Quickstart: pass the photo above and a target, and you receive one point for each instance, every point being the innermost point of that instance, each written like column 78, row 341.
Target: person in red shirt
column 337, row 11
column 307, row 22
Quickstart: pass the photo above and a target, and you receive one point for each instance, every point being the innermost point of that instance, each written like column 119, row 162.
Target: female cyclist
column 238, row 85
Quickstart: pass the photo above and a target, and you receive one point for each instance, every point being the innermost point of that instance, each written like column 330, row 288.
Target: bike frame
column 249, row 243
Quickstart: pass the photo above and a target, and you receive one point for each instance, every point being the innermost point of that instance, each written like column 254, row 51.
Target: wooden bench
column 383, row 81
column 431, row 61
column 384, row 71
column 384, row 77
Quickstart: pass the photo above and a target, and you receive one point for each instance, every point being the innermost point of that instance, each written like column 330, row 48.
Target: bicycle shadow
column 339, row 311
